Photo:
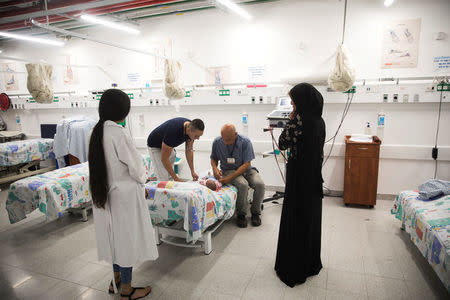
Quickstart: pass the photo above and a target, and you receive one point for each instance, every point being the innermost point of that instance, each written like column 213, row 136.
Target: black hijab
column 308, row 100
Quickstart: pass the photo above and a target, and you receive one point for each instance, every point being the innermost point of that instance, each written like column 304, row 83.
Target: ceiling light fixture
column 235, row 8
column 115, row 25
column 31, row 39
column 388, row 3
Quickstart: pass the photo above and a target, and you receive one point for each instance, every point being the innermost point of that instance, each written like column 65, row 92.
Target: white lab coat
column 124, row 232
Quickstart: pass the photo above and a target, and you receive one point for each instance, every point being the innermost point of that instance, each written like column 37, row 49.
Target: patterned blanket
column 52, row 192
column 428, row 224
column 25, row 151
column 192, row 202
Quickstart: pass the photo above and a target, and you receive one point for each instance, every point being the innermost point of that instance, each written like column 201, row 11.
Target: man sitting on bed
column 235, row 153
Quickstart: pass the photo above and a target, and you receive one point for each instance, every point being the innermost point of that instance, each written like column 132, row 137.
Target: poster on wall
column 400, row 44
column 218, row 75
column 160, row 49
column 11, row 79
column 70, row 75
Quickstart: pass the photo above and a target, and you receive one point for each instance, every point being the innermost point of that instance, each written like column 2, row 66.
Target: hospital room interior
column 224, row 149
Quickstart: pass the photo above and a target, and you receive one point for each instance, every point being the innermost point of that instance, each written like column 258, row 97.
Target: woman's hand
column 146, row 194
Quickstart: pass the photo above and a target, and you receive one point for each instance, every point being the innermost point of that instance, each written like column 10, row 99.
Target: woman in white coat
column 124, row 232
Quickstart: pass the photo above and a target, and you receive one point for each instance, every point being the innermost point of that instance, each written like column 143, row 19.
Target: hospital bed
column 54, row 192
column 189, row 211
column 19, row 159
column 428, row 224
column 185, row 210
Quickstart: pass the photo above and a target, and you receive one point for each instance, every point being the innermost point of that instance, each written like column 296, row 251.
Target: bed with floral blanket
column 20, row 159
column 193, row 205
column 428, row 224
column 25, row 151
column 53, row 192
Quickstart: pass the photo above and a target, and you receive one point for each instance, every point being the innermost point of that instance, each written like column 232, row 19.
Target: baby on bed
column 211, row 183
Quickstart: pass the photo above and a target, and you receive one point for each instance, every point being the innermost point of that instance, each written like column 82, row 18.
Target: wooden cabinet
column 361, row 172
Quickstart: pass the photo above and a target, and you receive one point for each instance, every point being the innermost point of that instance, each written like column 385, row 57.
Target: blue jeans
column 125, row 273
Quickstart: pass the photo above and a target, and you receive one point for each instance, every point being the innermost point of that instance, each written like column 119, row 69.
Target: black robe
column 299, row 239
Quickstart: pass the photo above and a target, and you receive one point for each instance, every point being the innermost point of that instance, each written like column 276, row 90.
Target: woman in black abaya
column 298, row 253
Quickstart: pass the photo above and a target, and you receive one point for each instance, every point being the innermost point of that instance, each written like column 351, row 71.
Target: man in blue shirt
column 235, row 153
column 164, row 138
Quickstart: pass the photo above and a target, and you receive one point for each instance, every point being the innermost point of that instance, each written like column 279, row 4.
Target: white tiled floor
column 365, row 256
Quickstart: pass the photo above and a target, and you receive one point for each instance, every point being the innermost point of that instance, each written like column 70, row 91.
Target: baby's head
column 211, row 184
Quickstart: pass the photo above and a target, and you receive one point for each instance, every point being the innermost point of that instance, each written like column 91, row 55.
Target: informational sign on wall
column 400, row 44
column 11, row 79
column 441, row 63
column 133, row 77
column 257, row 73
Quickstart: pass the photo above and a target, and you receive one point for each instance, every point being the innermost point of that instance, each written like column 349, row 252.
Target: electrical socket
column 395, row 98
column 405, row 98
column 243, row 92
column 430, row 88
column 372, row 89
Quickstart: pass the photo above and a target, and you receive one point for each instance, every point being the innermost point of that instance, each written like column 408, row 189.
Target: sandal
column 111, row 286
column 133, row 291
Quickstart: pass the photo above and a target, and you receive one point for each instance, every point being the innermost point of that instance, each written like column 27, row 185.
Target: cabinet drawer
column 361, row 150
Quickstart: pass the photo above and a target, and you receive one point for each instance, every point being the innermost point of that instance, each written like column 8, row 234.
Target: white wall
column 289, row 38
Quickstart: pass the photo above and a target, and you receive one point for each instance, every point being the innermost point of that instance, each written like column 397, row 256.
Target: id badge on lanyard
column 230, row 159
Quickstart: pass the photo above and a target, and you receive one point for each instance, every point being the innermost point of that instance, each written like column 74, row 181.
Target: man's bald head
column 228, row 134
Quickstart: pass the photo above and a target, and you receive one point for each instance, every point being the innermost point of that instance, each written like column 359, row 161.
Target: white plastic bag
column 39, row 82
column 343, row 75
column 173, row 85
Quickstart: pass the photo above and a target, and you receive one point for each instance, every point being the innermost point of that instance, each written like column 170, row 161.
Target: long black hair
column 114, row 105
